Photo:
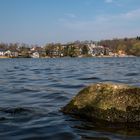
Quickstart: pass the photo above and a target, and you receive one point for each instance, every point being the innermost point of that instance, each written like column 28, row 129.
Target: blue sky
column 44, row 21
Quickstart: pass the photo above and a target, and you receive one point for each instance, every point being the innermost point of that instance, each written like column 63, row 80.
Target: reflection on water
column 33, row 91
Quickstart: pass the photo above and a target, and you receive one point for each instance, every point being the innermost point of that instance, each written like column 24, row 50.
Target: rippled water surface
column 32, row 91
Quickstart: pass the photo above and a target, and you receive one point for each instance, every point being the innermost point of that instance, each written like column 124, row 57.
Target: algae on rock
column 109, row 102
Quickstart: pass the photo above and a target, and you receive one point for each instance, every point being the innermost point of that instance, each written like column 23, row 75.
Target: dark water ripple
column 32, row 92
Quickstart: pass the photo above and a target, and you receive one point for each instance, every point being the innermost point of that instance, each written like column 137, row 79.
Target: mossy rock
column 108, row 102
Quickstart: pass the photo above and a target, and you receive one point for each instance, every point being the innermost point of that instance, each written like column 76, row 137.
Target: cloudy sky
column 44, row 21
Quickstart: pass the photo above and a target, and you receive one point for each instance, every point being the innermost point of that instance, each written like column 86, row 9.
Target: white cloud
column 135, row 14
column 107, row 19
column 115, row 2
column 70, row 15
column 105, row 26
column 108, row 1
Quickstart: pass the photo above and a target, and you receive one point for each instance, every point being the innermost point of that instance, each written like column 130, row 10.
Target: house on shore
column 35, row 55
column 8, row 53
column 95, row 50
column 37, row 52
column 2, row 52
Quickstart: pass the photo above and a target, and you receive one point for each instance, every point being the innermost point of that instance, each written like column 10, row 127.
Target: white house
column 2, row 52
column 7, row 53
column 35, row 55
column 95, row 50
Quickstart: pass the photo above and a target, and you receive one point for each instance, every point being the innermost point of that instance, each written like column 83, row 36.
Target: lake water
column 32, row 92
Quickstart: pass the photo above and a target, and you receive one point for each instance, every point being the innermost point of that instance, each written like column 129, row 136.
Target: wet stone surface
column 109, row 102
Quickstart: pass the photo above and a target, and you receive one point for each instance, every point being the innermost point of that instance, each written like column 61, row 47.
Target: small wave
column 22, row 110
column 16, row 110
column 94, row 138
column 19, row 91
column 114, row 81
column 90, row 78
column 72, row 86
column 57, row 96
column 16, row 67
column 61, row 98
column 3, row 118
column 9, row 71
column 62, row 136
column 132, row 74
column 67, row 86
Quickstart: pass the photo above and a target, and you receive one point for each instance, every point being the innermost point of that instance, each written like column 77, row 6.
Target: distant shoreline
column 3, row 57
column 127, row 56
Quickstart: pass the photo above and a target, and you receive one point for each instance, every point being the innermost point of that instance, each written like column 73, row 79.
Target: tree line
column 131, row 46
